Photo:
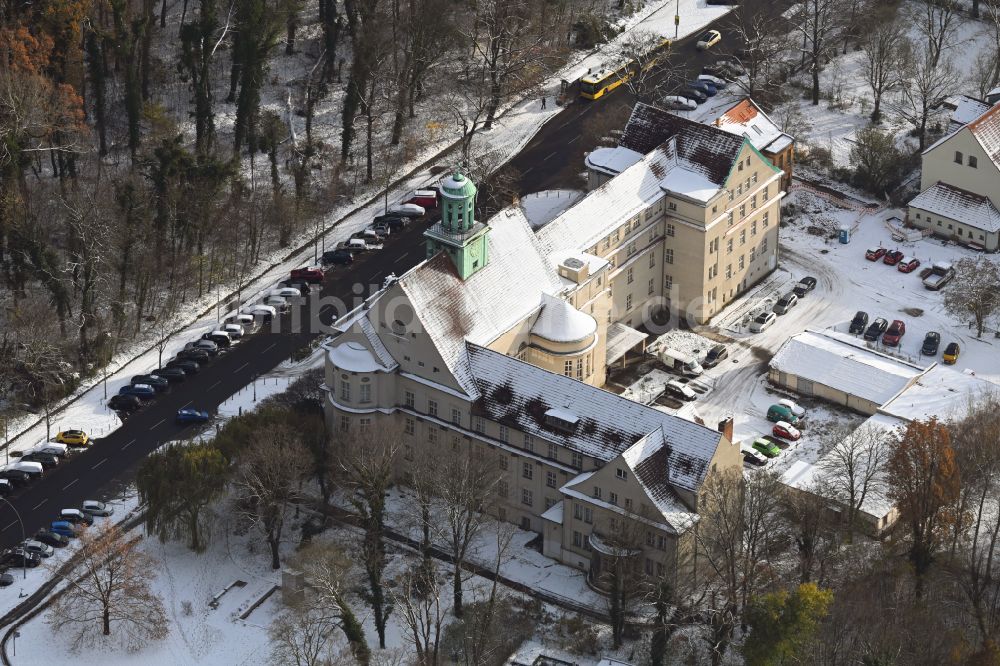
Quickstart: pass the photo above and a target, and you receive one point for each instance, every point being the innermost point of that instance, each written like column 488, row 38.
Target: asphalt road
column 96, row 472
column 554, row 158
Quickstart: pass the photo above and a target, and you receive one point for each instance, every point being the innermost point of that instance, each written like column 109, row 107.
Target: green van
column 777, row 413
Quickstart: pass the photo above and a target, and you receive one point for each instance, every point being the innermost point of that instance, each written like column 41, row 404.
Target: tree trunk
column 163, row 15
column 106, row 618
column 456, row 591
column 291, row 25
column 274, row 542
column 815, row 82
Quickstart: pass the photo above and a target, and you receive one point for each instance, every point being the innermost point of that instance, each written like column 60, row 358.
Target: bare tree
column 817, row 541
column 367, row 464
column 853, row 471
column 112, row 595
column 302, row 636
column 924, row 86
column 762, row 35
column 419, row 600
column 975, row 295
column 647, row 72
column 818, row 22
column 268, row 482
column 621, row 575
column 936, row 21
column 883, row 62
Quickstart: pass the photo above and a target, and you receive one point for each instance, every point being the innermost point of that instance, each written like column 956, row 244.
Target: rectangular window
column 364, row 423
column 408, row 452
column 432, row 407
column 597, row 492
column 479, row 425
column 629, row 276
column 753, row 254
column 549, row 503
column 345, row 422
column 739, row 189
column 743, row 211
column 668, row 281
column 630, row 249
column 432, row 435
column 652, row 262
column 620, row 473
column 753, row 202
column 504, row 460
column 671, row 206
column 765, row 219
column 456, row 416
column 628, row 302
column 411, row 426
column 577, row 462
column 729, row 271
column 661, row 542
column 753, row 228
column 649, row 288
column 650, row 539
column 526, row 497
column 408, row 399
column 504, row 434
column 503, row 489
column 668, row 255
column 628, row 504
column 577, row 511
column 528, row 470
column 730, row 193
column 579, row 368
column 553, row 451
column 763, row 246
column 743, row 236
column 958, row 157
column 729, row 246
column 765, row 192
column 529, row 442
column 588, row 515
column 568, row 368
column 973, row 161
column 729, row 218
column 550, row 479
column 671, row 230
column 345, row 390
column 753, row 177
column 742, row 264
column 366, row 393
column 577, row 540
column 613, row 498
column 649, row 567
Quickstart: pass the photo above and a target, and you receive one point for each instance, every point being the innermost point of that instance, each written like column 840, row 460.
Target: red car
column 892, row 258
column 425, row 198
column 875, row 253
column 896, row 330
column 907, row 265
column 785, row 431
column 309, row 274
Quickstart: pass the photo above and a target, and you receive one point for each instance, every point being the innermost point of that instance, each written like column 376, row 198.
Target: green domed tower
column 458, row 233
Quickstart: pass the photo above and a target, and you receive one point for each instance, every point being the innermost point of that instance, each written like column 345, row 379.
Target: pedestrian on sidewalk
column 543, row 102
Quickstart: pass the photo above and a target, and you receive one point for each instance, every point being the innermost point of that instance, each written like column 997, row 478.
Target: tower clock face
column 474, row 251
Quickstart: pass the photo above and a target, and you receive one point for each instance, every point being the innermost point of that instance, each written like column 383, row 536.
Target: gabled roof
column 710, row 150
column 485, row 305
column 519, row 394
column 986, row 130
column 745, row 118
column 964, row 109
column 649, row 461
column 960, row 205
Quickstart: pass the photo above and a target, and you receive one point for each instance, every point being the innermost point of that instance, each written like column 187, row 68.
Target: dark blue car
column 141, row 391
column 63, row 528
column 189, row 415
column 704, row 87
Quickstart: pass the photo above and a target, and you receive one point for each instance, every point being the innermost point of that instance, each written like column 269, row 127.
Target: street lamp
column 677, row 18
column 14, row 636
column 24, row 561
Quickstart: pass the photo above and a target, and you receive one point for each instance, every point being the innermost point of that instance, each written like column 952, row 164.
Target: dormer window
column 561, row 419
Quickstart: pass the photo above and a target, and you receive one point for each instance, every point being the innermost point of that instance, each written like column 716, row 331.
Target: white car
column 680, row 391
column 714, row 80
column 709, row 39
column 679, row 103
column 407, row 210
column 752, row 457
column 279, row 302
column 51, row 448
column 793, row 407
column 287, row 292
column 260, row 310
column 763, row 321
column 235, row 331
column 38, row 548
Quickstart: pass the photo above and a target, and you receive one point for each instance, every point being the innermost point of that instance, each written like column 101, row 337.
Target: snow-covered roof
column 986, row 130
column 486, row 304
column 942, row 392
column 747, row 119
column 612, row 161
column 353, row 356
column 519, row 394
column 540, row 208
column 649, row 460
column 621, row 338
column 559, row 321
column 960, row 205
column 554, row 514
column 965, row 109
column 838, row 361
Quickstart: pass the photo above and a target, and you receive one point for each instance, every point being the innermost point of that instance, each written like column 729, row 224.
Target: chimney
column 726, row 428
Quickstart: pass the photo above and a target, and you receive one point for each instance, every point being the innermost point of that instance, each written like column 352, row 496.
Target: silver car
column 95, row 508
column 38, row 548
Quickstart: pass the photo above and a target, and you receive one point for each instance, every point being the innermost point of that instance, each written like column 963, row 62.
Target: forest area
column 154, row 153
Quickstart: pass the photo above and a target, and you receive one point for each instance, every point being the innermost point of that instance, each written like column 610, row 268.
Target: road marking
column 215, row 384
column 158, row 423
column 575, row 138
column 240, row 368
column 270, row 345
column 103, row 460
column 70, row 483
column 12, row 523
column 39, row 504
column 550, row 155
column 525, row 172
column 131, row 442
column 185, row 404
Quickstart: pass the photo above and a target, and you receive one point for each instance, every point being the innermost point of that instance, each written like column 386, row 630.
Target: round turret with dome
column 458, row 203
column 458, row 234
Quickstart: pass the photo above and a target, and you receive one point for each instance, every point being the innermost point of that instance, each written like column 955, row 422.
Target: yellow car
column 73, row 438
column 709, row 39
column 951, row 353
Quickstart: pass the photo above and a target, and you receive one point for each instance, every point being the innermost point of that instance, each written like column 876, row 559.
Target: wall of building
column 949, row 228
column 939, row 165
column 836, row 396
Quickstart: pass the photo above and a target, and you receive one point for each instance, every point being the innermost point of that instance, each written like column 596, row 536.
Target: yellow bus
column 600, row 83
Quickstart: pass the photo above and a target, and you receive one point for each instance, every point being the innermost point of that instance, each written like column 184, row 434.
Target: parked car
column 172, row 375
column 796, row 408
column 719, row 83
column 187, row 367
column 423, row 198
column 221, row 338
column 942, row 272
column 859, row 323
column 875, row 253
column 777, row 412
column 408, row 210
column 15, row 477
column 752, row 457
column 708, row 39
column 264, row 313
column 951, row 353
column 34, row 470
column 766, row 447
column 189, row 415
column 931, row 342
column 907, row 265
column 703, row 86
column 19, row 557
column 310, row 274
column 876, row 329
column 394, row 221
column 785, row 430
column 199, row 356
column 678, row 390
column 785, row 303
column 6, row 487
column 715, row 355
column 694, row 94
column 6, row 580
column 892, row 257
column 63, row 528
column 96, row 508
column 76, row 516
column 207, row 346
column 894, row 333
column 141, row 391
column 381, row 228
column 37, row 548
column 763, row 321
column 804, row 286
column 287, row 292
column 678, row 103
column 73, row 438
column 244, row 320
column 159, row 384
column 235, row 331
column 50, row 538
column 338, row 257
column 47, row 461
